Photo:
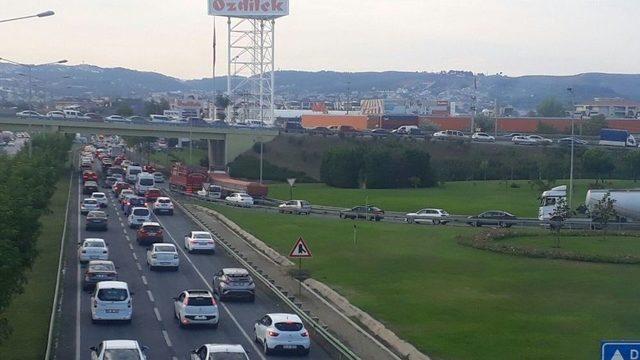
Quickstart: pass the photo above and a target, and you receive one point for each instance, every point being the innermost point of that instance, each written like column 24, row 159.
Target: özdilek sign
column 249, row 8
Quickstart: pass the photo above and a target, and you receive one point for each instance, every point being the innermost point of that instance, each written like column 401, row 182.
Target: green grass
column 611, row 245
column 455, row 302
column 165, row 157
column 30, row 312
column 464, row 198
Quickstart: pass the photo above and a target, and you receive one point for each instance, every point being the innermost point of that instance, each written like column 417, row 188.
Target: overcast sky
column 174, row 37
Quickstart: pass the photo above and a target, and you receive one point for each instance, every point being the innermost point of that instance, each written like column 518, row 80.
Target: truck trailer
column 616, row 137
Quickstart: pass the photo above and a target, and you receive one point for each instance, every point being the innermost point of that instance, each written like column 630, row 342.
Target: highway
column 153, row 324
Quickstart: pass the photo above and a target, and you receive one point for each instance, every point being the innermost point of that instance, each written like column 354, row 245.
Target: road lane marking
column 249, row 339
column 130, row 246
column 77, row 357
column 135, row 256
column 144, row 280
column 150, row 296
column 124, row 231
column 155, row 310
column 127, row 237
column 139, row 266
column 121, row 223
column 166, row 338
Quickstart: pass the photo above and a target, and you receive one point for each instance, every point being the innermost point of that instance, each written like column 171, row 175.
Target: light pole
column 570, row 90
column 42, row 14
column 29, row 68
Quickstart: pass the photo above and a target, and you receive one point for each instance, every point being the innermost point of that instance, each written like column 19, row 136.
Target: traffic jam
column 123, row 209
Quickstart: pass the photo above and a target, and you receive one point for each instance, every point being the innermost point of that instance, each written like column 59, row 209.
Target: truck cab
column 549, row 201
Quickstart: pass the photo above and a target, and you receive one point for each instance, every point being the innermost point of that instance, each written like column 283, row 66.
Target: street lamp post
column 570, row 90
column 42, row 14
column 29, row 75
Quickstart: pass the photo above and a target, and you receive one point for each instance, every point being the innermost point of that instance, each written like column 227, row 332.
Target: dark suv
column 363, row 212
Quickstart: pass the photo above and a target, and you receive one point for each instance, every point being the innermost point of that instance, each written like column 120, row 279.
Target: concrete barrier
column 400, row 346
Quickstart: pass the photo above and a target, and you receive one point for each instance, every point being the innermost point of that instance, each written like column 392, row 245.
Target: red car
column 152, row 195
column 89, row 175
column 118, row 161
column 149, row 233
column 149, row 169
column 119, row 186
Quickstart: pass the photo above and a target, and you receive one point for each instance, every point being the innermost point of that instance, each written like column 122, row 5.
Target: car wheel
column 341, row 216
column 305, row 352
column 502, row 224
column 215, row 326
column 267, row 351
column 410, row 220
column 436, row 222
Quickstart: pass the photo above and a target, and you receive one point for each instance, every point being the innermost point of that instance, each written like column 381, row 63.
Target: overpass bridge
column 225, row 144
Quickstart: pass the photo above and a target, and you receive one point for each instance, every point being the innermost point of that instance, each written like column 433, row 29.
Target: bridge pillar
column 216, row 154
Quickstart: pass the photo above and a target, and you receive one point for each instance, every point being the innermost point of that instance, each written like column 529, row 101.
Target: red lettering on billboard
column 239, row 7
column 218, row 5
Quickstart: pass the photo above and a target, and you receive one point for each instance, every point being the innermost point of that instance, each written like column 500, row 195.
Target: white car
column 199, row 241
column 433, row 216
column 219, row 351
column 158, row 177
column 89, row 204
column 138, row 216
column 196, row 307
column 449, row 135
column 163, row 205
column 55, row 115
column 282, row 332
column 482, row 137
column 101, row 198
column 522, row 140
column 118, row 349
column 26, row 114
column 116, row 118
column 300, row 207
column 111, row 300
column 93, row 249
column 539, row 140
column 163, row 256
column 240, row 199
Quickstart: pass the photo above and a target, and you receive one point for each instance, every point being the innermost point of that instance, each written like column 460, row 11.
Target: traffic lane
column 246, row 313
column 144, row 327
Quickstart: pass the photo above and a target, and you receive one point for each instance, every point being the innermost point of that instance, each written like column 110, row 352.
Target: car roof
column 150, row 223
column 112, row 285
column 121, row 344
column 201, row 232
column 164, row 198
column 235, row 271
column 198, row 292
column 90, row 199
column 93, row 239
column 100, row 262
column 139, row 207
column 282, row 317
column 230, row 348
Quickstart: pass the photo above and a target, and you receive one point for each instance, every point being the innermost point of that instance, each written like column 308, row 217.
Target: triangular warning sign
column 617, row 356
column 300, row 249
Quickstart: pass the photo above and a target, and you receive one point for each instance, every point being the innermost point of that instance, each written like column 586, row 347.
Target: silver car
column 234, row 283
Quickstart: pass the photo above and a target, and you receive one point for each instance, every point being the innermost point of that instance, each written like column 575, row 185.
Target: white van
column 72, row 114
column 111, row 301
column 132, row 173
column 405, row 129
column 160, row 119
column 145, row 182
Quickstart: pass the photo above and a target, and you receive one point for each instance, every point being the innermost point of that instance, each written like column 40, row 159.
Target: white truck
column 627, row 201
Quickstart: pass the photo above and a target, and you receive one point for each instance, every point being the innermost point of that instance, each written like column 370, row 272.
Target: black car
column 98, row 270
column 96, row 220
column 494, row 217
column 363, row 212
column 380, row 132
column 568, row 140
column 293, row 127
column 109, row 181
column 90, row 187
column 133, row 202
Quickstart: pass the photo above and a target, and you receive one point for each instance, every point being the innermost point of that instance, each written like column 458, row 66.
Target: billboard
column 262, row 9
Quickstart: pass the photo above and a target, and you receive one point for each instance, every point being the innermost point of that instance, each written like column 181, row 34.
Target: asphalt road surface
column 154, row 324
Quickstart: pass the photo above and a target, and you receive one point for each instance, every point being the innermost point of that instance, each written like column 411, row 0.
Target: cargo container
column 186, row 178
column 230, row 185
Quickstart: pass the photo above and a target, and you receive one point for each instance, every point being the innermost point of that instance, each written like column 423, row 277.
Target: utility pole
column 496, row 112
column 570, row 90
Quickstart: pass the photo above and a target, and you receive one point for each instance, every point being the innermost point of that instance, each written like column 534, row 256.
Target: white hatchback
column 163, row 205
column 199, row 241
column 93, row 249
column 196, row 307
column 101, row 198
column 282, row 332
column 89, row 204
column 240, row 199
column 163, row 256
column 138, row 216
column 111, row 301
column 118, row 349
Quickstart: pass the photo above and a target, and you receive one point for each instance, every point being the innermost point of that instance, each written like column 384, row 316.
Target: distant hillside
column 523, row 92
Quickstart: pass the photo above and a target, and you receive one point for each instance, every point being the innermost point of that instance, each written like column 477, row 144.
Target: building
column 610, row 108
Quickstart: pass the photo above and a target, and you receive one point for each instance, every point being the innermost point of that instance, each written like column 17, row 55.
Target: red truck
column 230, row 185
column 186, row 178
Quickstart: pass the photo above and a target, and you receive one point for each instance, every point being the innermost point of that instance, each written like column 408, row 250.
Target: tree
column 559, row 215
column 603, row 212
column 550, row 107
column 543, row 128
column 156, row 107
column 632, row 160
column 483, row 122
column 124, row 110
column 222, row 101
column 594, row 124
column 597, row 163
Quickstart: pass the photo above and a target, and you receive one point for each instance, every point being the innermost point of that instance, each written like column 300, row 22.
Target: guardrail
column 343, row 351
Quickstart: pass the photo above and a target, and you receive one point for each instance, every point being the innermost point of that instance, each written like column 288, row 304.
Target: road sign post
column 300, row 250
column 291, row 181
column 620, row 350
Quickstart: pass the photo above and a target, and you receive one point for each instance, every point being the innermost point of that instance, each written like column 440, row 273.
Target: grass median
column 29, row 312
column 456, row 302
column 461, row 197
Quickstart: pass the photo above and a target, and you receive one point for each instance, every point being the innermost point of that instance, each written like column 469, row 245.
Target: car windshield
column 112, row 294
column 227, row 356
column 200, row 301
column 90, row 202
column 103, row 267
column 94, row 244
column 97, row 214
column 288, row 326
column 121, row 354
column 202, row 236
column 134, row 171
column 98, row 195
column 165, row 248
column 151, row 228
column 146, row 182
column 164, row 201
column 141, row 212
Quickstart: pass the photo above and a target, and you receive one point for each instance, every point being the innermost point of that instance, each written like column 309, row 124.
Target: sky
column 174, row 37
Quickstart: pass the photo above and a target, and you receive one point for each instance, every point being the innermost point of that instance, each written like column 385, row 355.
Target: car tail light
column 185, row 321
column 272, row 333
column 304, row 334
column 129, row 303
column 154, row 256
column 175, row 256
column 84, row 251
